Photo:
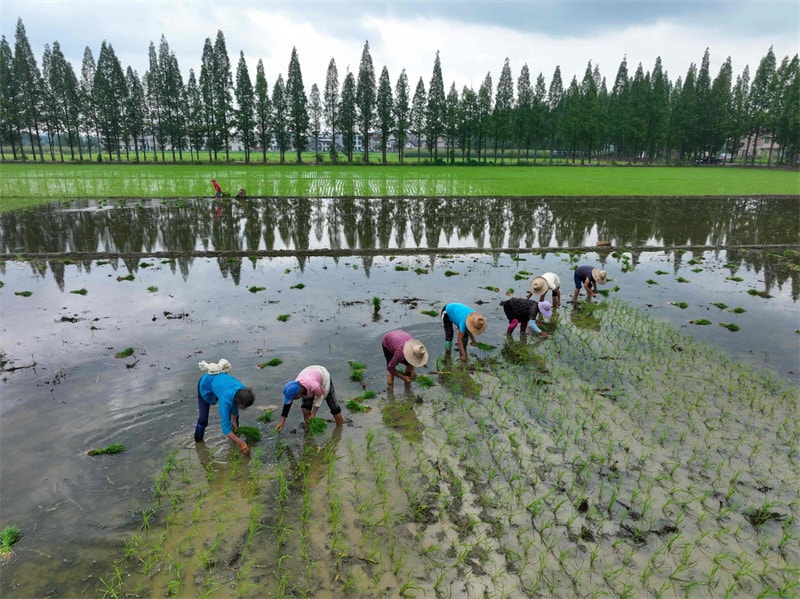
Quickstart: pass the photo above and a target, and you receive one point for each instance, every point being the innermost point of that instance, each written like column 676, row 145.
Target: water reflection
column 235, row 229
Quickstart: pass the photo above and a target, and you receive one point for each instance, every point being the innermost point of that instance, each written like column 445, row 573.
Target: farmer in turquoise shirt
column 217, row 387
column 468, row 322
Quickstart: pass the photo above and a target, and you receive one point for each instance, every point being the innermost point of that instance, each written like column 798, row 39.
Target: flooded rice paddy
column 634, row 452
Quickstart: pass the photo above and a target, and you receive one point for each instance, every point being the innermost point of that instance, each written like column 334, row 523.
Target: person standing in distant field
column 588, row 277
column 467, row 321
column 401, row 348
column 217, row 189
column 540, row 285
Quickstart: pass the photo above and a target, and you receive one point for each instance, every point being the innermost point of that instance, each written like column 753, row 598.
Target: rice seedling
column 317, row 426
column 682, row 280
column 720, row 305
column 272, row 362
column 297, row 286
column 400, row 268
column 697, row 270
column 491, row 288
column 483, row 346
column 128, row 277
column 421, row 271
column 376, row 304
column 152, row 289
column 109, row 450
column 256, row 289
column 651, row 282
column 700, row 321
column 451, row 273
column 83, row 291
column 125, row 353
column 266, row 416
column 24, row 293
column 731, row 326
column 662, row 272
column 433, row 313
column 738, row 310
column 284, row 317
column 250, row 433
column 9, row 536
column 755, row 292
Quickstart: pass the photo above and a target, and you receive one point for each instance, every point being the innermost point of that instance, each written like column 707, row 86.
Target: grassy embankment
column 25, row 185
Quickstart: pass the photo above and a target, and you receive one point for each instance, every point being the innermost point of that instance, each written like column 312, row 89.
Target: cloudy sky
column 473, row 37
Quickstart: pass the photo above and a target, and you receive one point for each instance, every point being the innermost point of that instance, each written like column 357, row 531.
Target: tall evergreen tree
column 760, row 101
column 172, row 98
column 195, row 118
column 298, row 106
column 555, row 105
column 110, row 93
column 787, row 130
column 619, row 110
column 223, row 86
column 418, row 110
column 385, row 110
column 523, row 115
column 703, row 118
column 9, row 97
column 639, row 104
column 207, row 93
column 366, row 98
column 658, row 111
column 503, row 111
column 67, row 99
column 330, row 104
column 719, row 114
column 135, row 111
column 685, row 114
column 348, row 115
column 590, row 114
column 539, row 114
column 739, row 119
column 402, row 113
column 157, row 112
column 50, row 113
column 89, row 110
column 245, row 101
column 469, row 111
column 452, row 115
column 483, row 115
column 29, row 88
column 315, row 118
column 434, row 115
column 280, row 117
column 263, row 110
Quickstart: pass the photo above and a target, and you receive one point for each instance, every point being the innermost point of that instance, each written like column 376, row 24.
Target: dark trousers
column 448, row 327
column 330, row 399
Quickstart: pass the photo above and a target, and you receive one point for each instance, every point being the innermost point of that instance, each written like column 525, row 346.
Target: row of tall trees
column 106, row 111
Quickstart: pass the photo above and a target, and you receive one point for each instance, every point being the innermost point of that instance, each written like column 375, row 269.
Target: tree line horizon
column 644, row 117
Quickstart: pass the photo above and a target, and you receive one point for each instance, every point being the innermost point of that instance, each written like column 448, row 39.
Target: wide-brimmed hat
column 415, row 353
column 476, row 323
column 290, row 391
column 546, row 309
column 539, row 286
column 599, row 276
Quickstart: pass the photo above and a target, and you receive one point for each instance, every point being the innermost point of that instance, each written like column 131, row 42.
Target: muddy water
column 197, row 271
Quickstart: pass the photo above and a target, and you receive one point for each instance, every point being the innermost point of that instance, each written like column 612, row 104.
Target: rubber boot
column 511, row 326
column 199, row 432
column 448, row 346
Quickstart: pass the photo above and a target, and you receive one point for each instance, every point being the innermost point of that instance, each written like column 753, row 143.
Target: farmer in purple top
column 588, row 277
column 401, row 348
column 468, row 322
column 520, row 311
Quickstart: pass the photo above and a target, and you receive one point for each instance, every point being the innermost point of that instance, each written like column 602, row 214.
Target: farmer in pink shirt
column 312, row 385
column 401, row 348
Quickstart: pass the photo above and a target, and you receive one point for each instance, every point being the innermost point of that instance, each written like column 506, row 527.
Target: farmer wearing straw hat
column 216, row 386
column 588, row 277
column 519, row 311
column 540, row 285
column 401, row 348
column 312, row 385
column 468, row 321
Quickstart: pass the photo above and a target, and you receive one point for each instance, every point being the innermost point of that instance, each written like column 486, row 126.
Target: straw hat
column 539, row 286
column 599, row 276
column 415, row 353
column 476, row 323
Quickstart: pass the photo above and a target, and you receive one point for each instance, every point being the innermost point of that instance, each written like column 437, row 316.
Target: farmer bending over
column 401, row 348
column 588, row 277
column 468, row 321
column 549, row 281
column 219, row 387
column 519, row 311
column 312, row 385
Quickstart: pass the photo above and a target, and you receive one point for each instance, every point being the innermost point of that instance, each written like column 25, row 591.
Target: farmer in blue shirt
column 468, row 322
column 217, row 387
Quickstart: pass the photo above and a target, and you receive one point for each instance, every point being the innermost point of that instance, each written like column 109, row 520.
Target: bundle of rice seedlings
column 317, row 426
column 250, row 433
column 483, row 346
column 8, row 537
column 425, row 381
column 111, row 449
column 266, row 416
column 272, row 362
column 356, row 405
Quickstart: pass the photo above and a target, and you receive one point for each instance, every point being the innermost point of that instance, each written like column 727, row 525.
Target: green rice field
column 30, row 184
